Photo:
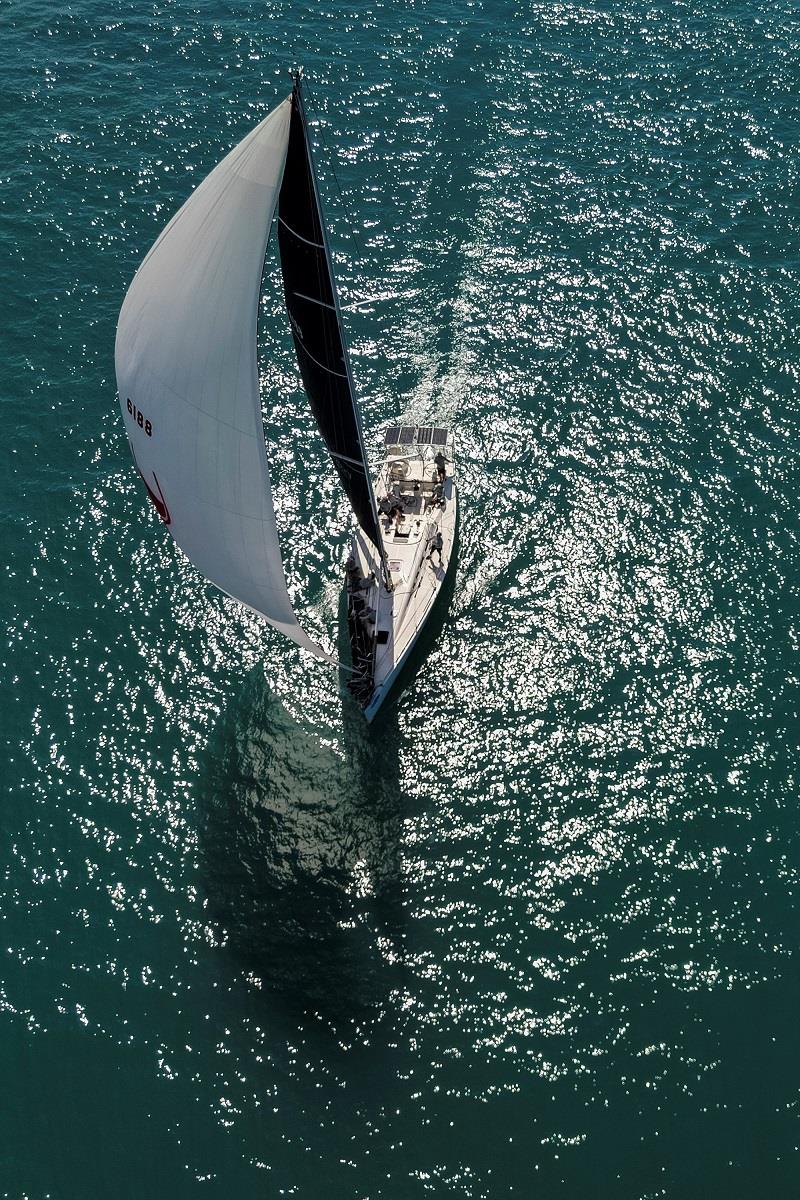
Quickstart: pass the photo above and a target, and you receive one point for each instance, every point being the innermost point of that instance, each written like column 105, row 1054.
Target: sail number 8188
column 139, row 418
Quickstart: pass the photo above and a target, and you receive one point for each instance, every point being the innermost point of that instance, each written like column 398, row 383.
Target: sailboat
column 187, row 373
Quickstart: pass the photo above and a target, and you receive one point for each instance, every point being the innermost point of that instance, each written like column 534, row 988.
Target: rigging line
column 331, row 162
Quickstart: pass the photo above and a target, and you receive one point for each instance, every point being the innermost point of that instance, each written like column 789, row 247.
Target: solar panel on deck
column 439, row 437
column 424, row 435
column 407, row 435
column 392, row 436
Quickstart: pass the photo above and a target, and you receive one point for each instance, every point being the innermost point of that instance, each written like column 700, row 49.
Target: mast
column 312, row 301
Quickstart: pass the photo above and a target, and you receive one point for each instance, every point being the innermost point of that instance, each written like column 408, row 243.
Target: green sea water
column 534, row 933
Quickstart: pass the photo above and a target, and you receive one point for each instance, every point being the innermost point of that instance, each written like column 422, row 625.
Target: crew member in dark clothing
column 441, row 462
column 436, row 547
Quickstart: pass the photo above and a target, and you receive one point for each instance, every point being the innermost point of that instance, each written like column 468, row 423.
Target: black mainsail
column 315, row 316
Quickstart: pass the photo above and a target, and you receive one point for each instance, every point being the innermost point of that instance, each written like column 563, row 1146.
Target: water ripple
column 534, row 932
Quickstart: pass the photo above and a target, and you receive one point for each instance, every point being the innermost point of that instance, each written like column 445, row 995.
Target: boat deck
column 418, row 521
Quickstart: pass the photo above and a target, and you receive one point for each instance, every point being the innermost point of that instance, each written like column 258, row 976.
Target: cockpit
column 414, row 477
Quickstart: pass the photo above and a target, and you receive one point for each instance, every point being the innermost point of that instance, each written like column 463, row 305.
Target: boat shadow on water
column 299, row 851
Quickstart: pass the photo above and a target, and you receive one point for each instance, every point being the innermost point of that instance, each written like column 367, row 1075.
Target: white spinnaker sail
column 187, row 374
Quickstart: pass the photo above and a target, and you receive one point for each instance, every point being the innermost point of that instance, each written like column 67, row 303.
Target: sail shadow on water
column 300, row 853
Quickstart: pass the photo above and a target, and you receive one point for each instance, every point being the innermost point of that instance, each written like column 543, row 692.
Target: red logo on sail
column 159, row 503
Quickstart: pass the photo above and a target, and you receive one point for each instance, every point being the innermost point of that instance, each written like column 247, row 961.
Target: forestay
column 188, row 377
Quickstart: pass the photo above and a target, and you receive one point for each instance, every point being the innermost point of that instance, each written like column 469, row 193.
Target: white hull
column 419, row 549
